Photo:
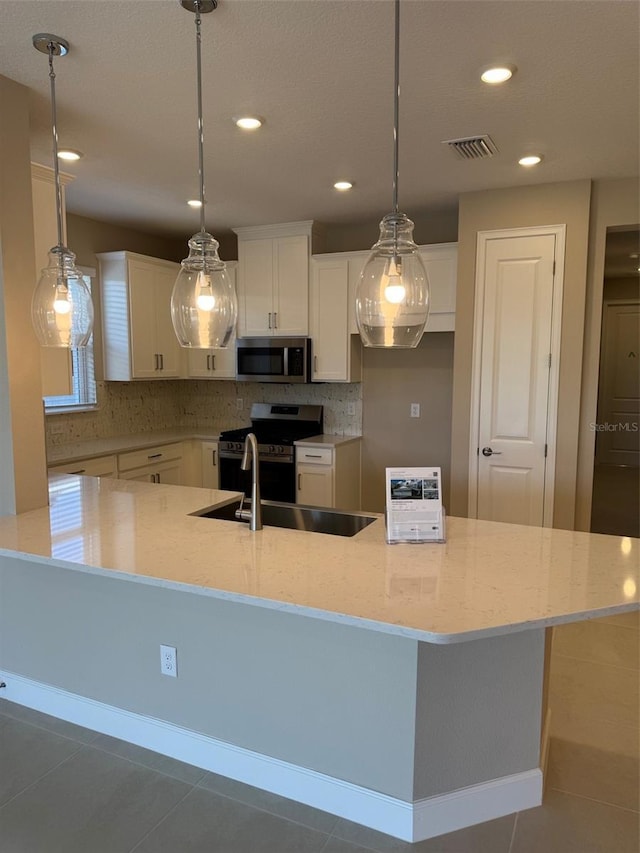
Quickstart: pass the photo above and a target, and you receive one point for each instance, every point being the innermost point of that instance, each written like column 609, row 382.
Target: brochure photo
column 414, row 505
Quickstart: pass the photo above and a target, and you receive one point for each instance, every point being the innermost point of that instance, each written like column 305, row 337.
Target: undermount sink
column 312, row 519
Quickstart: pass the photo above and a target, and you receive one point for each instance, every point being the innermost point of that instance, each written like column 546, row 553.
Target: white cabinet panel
column 139, row 341
column 162, row 464
column 328, row 475
column 441, row 263
column 273, row 280
column 99, row 466
column 336, row 353
column 210, row 466
column 214, row 363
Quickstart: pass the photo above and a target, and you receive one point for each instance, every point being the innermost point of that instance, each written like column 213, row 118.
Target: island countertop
column 488, row 579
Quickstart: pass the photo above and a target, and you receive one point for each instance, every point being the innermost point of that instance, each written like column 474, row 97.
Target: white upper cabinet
column 441, row 262
column 336, row 353
column 273, row 280
column 214, row 363
column 138, row 335
column 55, row 362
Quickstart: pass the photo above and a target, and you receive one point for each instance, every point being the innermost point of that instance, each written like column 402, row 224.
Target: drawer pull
column 79, row 471
column 155, row 456
column 312, row 456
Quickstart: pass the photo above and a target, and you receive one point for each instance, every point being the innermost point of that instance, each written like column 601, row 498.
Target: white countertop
column 488, row 579
column 86, row 449
column 327, row 440
column 89, row 448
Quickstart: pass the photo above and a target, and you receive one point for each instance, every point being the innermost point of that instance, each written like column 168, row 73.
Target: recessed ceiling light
column 530, row 160
column 69, row 154
column 496, row 74
column 343, row 185
column 194, row 202
column 249, row 122
column 634, row 255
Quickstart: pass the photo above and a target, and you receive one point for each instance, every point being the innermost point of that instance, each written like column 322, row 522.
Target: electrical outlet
column 415, row 410
column 56, row 429
column 239, row 403
column 351, row 408
column 168, row 661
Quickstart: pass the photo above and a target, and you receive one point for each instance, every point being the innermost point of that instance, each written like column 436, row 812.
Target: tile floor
column 64, row 789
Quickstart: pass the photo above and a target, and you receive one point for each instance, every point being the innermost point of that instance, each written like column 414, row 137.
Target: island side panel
column 333, row 698
column 479, row 707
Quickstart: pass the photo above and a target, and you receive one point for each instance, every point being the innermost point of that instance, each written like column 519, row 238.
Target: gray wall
column 393, row 379
column 479, row 711
column 336, row 699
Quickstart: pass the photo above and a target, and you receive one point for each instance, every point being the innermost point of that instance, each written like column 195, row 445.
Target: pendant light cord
column 200, row 122
column 396, row 101
column 54, row 129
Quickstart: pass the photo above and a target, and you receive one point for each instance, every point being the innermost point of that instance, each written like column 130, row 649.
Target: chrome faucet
column 254, row 515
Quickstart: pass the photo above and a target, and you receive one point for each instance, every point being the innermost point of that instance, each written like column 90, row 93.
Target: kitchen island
column 398, row 686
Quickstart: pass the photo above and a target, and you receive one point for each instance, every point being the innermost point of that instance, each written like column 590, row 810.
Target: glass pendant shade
column 392, row 294
column 61, row 308
column 203, row 302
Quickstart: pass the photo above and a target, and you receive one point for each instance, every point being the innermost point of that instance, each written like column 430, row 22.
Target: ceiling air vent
column 472, row 147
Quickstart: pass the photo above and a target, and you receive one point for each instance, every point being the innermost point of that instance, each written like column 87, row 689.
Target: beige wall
column 550, row 204
column 436, row 227
column 23, row 484
column 393, row 379
column 615, row 203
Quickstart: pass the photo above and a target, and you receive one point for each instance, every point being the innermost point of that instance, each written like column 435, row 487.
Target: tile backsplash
column 133, row 407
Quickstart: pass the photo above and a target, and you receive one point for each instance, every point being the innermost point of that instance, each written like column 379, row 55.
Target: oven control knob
column 272, row 448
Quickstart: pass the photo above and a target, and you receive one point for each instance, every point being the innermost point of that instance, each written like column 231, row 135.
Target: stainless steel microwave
column 273, row 359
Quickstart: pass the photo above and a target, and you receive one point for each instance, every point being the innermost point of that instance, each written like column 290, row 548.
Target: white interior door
column 617, row 440
column 514, row 346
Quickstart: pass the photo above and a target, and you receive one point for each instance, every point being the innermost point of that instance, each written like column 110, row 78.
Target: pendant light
column 61, row 308
column 392, row 295
column 203, row 302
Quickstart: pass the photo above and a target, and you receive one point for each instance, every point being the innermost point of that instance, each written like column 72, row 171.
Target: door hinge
column 549, row 361
column 546, row 447
column 477, row 451
column 554, row 268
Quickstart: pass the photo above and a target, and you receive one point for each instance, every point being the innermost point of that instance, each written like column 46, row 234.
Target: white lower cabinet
column 162, row 464
column 328, row 476
column 210, row 466
column 100, row 466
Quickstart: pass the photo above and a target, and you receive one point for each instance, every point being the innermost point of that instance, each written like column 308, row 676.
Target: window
column 83, row 380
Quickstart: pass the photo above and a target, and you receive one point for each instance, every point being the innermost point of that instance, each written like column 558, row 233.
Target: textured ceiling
column 321, row 73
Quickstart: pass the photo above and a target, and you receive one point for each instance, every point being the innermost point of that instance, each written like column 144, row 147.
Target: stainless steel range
column 276, row 427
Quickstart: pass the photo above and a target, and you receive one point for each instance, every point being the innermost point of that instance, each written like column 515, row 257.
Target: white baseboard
column 408, row 821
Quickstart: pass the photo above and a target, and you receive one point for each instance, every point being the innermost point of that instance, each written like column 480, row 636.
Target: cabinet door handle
column 155, row 356
column 208, row 362
column 269, row 319
column 275, row 320
column 213, row 362
column 299, row 482
column 155, row 456
column 157, row 478
column 315, row 364
column 161, row 367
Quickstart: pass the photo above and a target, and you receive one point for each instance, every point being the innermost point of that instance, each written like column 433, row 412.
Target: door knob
column 487, row 451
